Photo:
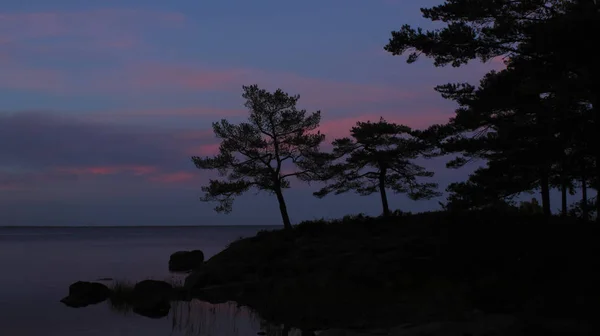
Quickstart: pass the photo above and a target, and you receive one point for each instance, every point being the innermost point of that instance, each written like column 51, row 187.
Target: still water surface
column 37, row 265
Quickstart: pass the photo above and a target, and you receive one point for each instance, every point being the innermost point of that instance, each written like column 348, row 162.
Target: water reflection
column 202, row 318
column 197, row 317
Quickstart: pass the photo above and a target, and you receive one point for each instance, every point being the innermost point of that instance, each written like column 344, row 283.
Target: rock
column 152, row 288
column 194, row 280
column 151, row 298
column 82, row 294
column 184, row 261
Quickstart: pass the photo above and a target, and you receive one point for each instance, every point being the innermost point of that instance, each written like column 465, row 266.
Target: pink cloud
column 203, row 150
column 317, row 92
column 150, row 76
column 326, row 93
column 195, row 135
column 180, row 113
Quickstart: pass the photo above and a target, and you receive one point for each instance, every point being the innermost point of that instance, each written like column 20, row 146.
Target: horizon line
column 130, row 226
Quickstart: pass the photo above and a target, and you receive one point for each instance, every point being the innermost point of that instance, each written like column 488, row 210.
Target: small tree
column 263, row 153
column 375, row 158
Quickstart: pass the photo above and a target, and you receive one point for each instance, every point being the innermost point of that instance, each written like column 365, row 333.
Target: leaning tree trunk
column 545, row 194
column 287, row 224
column 384, row 200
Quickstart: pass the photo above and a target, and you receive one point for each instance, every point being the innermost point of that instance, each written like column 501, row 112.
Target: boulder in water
column 83, row 293
column 151, row 298
column 152, row 288
column 184, row 261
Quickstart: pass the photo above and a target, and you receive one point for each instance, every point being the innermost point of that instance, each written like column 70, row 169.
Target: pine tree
column 378, row 156
column 276, row 143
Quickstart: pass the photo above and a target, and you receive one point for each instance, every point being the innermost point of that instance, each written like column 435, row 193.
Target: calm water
column 38, row 264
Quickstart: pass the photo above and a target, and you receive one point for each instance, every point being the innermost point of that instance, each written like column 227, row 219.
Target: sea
column 37, row 265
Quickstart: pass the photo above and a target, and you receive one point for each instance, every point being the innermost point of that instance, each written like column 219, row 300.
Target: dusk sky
column 102, row 103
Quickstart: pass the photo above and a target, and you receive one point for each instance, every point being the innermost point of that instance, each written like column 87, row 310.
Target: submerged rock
column 184, row 261
column 82, row 294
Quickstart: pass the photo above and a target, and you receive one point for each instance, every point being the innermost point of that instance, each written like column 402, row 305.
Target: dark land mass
column 540, row 274
column 375, row 272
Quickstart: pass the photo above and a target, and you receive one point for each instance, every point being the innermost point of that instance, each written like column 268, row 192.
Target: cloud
column 209, row 149
column 316, row 92
column 164, row 77
column 141, row 116
column 16, row 75
column 325, row 93
column 141, row 76
column 28, row 39
column 39, row 147
column 26, row 180
column 109, row 170
column 175, row 177
column 102, row 25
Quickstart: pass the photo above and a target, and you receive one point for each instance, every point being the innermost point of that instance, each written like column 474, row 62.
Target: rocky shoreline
column 474, row 273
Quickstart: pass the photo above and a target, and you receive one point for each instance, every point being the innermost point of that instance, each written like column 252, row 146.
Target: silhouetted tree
column 507, row 122
column 551, row 35
column 490, row 186
column 377, row 157
column 265, row 152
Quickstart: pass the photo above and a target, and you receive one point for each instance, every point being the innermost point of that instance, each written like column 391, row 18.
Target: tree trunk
column 563, row 190
column 287, row 224
column 584, row 201
column 546, row 194
column 384, row 201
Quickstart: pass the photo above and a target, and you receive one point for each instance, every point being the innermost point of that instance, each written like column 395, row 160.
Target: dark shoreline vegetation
column 371, row 273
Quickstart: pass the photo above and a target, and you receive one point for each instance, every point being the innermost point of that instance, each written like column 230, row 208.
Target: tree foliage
column 538, row 117
column 277, row 142
column 378, row 156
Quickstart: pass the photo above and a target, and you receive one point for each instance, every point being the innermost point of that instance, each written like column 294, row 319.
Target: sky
column 102, row 103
